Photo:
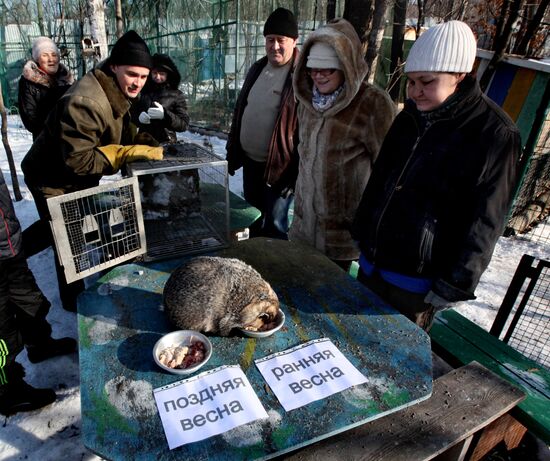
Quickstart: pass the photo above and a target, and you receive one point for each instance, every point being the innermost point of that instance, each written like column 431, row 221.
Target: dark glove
column 146, row 139
column 439, row 303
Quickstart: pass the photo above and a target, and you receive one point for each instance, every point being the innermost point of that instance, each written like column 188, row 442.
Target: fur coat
column 337, row 147
column 38, row 92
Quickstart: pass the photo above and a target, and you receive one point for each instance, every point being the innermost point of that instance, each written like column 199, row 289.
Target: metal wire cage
column 185, row 201
column 523, row 319
column 98, row 227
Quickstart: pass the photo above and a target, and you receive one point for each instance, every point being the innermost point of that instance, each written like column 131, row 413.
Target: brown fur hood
column 337, row 147
column 34, row 74
column 339, row 34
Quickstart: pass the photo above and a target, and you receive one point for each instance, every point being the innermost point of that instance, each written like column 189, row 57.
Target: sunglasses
column 321, row 72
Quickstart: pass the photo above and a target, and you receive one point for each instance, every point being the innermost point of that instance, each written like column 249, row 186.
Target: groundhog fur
column 214, row 295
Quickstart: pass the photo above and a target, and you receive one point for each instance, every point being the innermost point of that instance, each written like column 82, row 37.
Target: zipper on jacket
column 396, row 188
column 426, row 242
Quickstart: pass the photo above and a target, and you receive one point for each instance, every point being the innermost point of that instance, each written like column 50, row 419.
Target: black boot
column 16, row 395
column 51, row 348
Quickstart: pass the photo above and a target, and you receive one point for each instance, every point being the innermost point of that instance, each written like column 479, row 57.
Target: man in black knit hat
column 262, row 138
column 88, row 135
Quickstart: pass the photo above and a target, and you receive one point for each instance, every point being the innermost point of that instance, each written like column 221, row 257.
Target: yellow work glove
column 118, row 155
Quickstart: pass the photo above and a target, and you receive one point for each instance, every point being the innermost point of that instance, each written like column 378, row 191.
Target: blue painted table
column 120, row 319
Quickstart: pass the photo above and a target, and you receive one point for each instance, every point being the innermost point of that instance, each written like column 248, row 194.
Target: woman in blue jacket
column 441, row 187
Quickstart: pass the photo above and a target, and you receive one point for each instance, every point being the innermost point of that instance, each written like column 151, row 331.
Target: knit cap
column 281, row 22
column 131, row 50
column 322, row 56
column 43, row 45
column 446, row 47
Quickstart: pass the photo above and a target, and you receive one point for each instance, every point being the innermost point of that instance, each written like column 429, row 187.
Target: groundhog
column 215, row 295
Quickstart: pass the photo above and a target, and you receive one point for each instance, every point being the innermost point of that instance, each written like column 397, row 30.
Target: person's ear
column 460, row 77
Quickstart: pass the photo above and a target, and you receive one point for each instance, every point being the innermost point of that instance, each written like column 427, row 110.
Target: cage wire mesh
column 531, row 211
column 97, row 228
column 185, row 201
column 528, row 330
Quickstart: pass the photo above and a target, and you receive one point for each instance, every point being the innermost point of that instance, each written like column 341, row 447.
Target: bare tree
column 529, row 31
column 331, row 9
column 375, row 36
column 359, row 14
column 118, row 16
column 398, row 37
column 9, row 154
column 96, row 14
column 40, row 17
column 509, row 16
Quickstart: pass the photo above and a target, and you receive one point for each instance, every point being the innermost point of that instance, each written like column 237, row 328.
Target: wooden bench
column 459, row 341
column 464, row 402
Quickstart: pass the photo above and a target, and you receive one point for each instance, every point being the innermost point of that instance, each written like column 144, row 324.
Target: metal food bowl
column 181, row 338
column 266, row 333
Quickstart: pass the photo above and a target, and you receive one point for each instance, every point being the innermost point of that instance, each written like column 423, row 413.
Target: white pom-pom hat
column 446, row 47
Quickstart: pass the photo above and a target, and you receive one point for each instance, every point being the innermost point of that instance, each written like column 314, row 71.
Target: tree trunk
column 96, row 13
column 9, row 154
column 375, row 36
column 500, row 22
column 501, row 43
column 398, row 37
column 420, row 21
column 532, row 26
column 331, row 9
column 118, row 16
column 40, row 11
column 359, row 14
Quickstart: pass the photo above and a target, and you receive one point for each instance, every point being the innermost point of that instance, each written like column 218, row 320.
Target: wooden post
column 9, row 154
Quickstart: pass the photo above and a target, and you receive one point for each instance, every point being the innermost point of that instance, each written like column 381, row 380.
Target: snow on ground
column 53, row 433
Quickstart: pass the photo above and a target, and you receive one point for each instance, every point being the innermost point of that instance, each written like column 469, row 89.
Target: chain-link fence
column 213, row 44
column 531, row 209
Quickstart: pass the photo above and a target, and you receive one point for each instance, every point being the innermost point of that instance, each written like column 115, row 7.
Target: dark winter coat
column 436, row 201
column 282, row 161
column 38, row 93
column 337, row 147
column 93, row 113
column 167, row 94
column 10, row 230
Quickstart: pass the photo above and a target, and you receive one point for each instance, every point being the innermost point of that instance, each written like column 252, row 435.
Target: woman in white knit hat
column 440, row 190
column 342, row 121
column 43, row 81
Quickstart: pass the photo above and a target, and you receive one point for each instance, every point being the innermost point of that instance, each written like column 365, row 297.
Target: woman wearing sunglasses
column 342, row 122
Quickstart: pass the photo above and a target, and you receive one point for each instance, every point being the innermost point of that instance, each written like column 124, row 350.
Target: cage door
column 98, row 227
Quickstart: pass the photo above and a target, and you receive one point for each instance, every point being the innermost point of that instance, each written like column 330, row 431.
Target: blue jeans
column 274, row 207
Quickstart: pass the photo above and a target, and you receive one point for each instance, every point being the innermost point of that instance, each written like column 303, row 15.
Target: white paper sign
column 309, row 372
column 208, row 404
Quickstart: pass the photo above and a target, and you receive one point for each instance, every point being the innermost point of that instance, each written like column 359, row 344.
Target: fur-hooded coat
column 176, row 118
column 38, row 93
column 337, row 147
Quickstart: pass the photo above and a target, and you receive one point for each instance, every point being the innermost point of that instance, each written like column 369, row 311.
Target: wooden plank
column 457, row 349
column 501, row 82
column 518, row 92
column 530, row 106
column 463, row 402
column 524, row 368
column 242, row 214
column 506, row 429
